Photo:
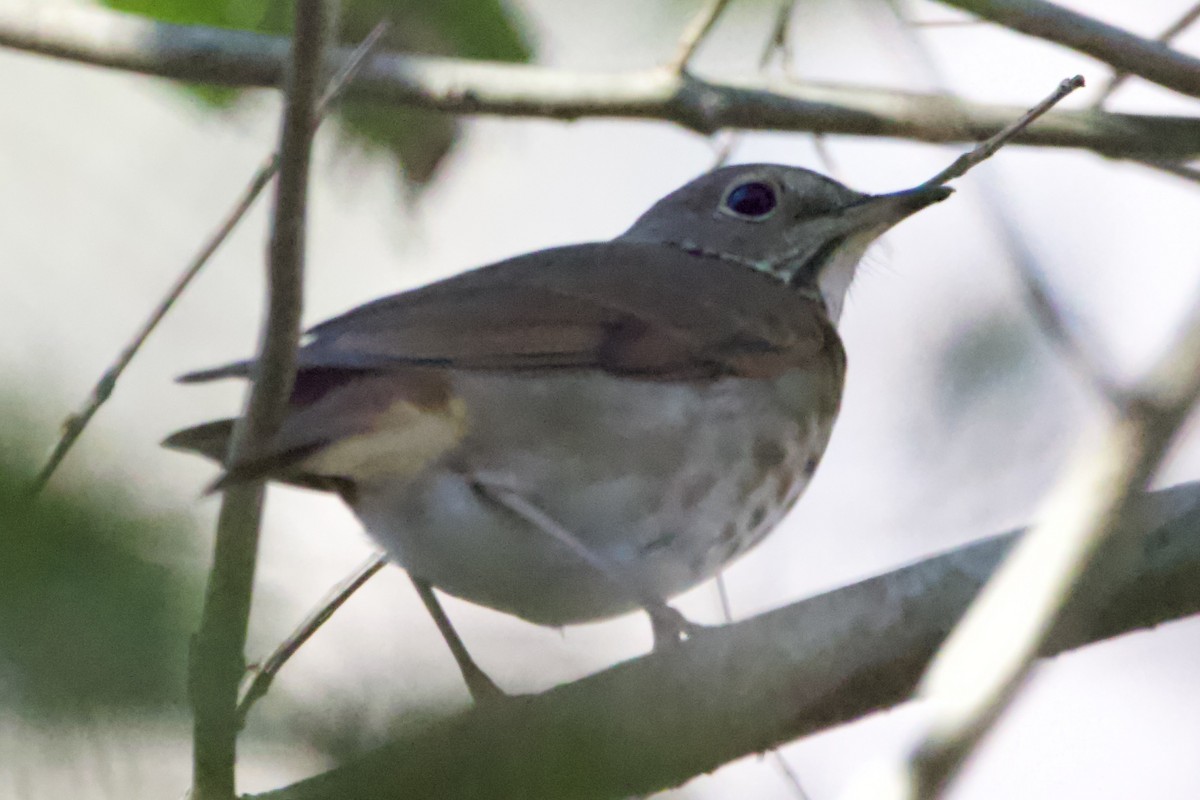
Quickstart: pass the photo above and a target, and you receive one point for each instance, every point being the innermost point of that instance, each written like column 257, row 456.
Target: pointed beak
column 878, row 212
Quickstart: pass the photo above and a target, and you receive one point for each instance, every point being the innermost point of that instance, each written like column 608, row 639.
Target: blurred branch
column 264, row 674
column 1120, row 76
column 1178, row 170
column 657, row 721
column 1124, row 51
column 984, row 661
column 695, row 32
column 218, row 660
column 75, row 424
column 758, row 102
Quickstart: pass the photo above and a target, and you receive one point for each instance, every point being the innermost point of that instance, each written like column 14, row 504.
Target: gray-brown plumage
column 580, row 431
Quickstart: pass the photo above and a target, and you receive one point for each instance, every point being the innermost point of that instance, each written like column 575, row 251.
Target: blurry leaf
column 88, row 616
column 481, row 29
column 994, row 356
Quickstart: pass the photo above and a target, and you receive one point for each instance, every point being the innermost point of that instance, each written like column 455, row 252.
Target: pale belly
column 666, row 483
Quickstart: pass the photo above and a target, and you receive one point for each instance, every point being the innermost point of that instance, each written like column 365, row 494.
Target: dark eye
column 753, row 200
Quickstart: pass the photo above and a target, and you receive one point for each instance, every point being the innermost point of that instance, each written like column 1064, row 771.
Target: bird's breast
column 666, row 481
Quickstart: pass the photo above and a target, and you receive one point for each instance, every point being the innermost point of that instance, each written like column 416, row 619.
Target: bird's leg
column 670, row 627
column 482, row 687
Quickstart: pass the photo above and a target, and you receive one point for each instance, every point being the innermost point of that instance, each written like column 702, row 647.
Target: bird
column 579, row 432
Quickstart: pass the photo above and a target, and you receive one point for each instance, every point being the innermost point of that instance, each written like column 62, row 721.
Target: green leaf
column 417, row 139
column 96, row 603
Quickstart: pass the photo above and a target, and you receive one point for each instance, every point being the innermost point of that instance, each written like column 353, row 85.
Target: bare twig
column 75, row 424
column 1127, row 52
column 777, row 42
column 942, row 23
column 264, row 674
column 985, row 149
column 1120, row 76
column 656, row 721
column 781, row 764
column 695, row 32
column 789, row 775
column 1178, row 170
column 754, row 102
column 780, row 41
column 1081, row 350
column 217, row 663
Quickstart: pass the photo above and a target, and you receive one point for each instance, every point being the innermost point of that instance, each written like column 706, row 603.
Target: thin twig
column 1081, row 350
column 1178, row 170
column 75, row 424
column 985, row 149
column 781, row 764
column 777, row 43
column 264, row 674
column 790, row 777
column 943, row 23
column 780, row 41
column 695, row 32
column 1120, row 76
column 218, row 660
column 748, row 102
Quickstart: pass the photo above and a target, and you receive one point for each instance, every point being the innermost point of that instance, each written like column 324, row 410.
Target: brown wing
column 647, row 310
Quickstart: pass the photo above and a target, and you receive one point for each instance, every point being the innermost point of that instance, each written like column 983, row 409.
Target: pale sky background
column 110, row 181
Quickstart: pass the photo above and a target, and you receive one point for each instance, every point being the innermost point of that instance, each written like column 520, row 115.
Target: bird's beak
column 878, row 212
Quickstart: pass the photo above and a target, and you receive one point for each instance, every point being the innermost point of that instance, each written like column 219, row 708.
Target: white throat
column 837, row 274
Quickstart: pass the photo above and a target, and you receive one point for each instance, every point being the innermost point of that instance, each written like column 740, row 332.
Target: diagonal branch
column 656, row 721
column 77, row 422
column 1174, row 29
column 260, row 678
column 757, row 102
column 218, row 659
column 696, row 31
column 1126, row 52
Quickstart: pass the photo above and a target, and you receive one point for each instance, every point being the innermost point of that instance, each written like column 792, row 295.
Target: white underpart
column 836, row 276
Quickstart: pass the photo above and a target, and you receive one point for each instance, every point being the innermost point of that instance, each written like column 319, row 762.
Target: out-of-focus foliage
column 482, row 29
column 996, row 358
column 96, row 597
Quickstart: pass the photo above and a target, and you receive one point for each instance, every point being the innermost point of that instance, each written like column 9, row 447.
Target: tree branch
column 656, row 721
column 696, row 31
column 77, row 422
column 238, row 58
column 218, row 659
column 1124, row 51
column 262, row 676
column 1174, row 29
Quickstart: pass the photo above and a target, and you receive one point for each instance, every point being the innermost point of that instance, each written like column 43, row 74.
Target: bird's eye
column 753, row 200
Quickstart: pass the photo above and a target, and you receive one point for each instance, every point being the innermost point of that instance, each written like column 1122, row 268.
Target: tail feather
column 210, row 440
column 238, row 369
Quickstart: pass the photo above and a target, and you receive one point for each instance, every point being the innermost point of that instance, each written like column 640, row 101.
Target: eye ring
column 752, row 200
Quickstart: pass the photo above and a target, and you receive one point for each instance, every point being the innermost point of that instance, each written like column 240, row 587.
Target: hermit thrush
column 581, row 431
